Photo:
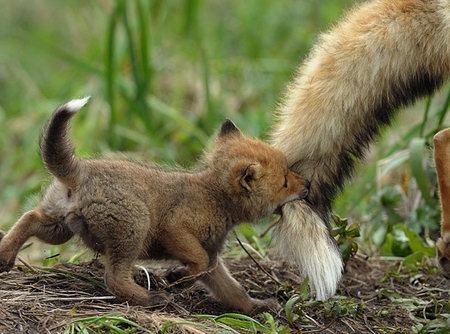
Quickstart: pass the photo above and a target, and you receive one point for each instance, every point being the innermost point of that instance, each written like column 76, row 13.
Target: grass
column 402, row 301
column 164, row 74
column 108, row 322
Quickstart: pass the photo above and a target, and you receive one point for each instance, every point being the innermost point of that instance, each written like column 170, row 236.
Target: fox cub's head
column 254, row 173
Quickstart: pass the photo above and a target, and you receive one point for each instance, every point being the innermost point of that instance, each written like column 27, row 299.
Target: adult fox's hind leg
column 442, row 161
column 32, row 223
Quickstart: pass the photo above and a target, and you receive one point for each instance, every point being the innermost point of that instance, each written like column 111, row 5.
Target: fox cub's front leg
column 442, row 161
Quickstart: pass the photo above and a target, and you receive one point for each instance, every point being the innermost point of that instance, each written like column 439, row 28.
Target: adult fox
column 384, row 55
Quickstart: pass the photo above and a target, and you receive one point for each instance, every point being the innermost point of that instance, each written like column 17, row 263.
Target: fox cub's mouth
column 303, row 194
column 305, row 191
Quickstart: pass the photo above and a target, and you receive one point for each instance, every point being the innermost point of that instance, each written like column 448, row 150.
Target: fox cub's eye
column 285, row 182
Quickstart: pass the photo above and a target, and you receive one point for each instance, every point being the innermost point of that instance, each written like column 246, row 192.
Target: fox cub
column 127, row 211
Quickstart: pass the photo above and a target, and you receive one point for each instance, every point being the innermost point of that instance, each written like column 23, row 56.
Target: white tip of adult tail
column 301, row 238
column 75, row 105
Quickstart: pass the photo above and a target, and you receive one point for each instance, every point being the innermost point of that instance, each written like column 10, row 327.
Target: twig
column 267, row 229
column 26, row 264
column 367, row 325
column 256, row 262
column 147, row 274
column 192, row 277
column 72, row 299
column 319, row 330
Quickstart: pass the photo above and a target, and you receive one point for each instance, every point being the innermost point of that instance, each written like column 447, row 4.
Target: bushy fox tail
column 383, row 56
column 56, row 148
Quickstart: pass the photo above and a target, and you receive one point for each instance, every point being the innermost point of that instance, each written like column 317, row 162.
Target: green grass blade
column 443, row 111
column 241, row 320
column 237, row 320
column 110, row 70
column 109, row 321
column 130, row 43
column 425, row 116
column 77, row 256
column 144, row 18
column 416, row 150
column 288, row 308
column 58, row 52
column 206, row 80
column 182, row 121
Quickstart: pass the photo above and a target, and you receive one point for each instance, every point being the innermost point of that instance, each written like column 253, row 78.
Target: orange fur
column 442, row 161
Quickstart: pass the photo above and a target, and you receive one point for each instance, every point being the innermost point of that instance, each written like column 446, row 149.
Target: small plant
column 250, row 325
column 345, row 236
column 342, row 308
column 293, row 305
column 108, row 323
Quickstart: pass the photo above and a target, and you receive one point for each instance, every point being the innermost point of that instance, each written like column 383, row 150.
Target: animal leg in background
column 442, row 160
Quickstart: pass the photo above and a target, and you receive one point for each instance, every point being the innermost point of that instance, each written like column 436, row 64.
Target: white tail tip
column 75, row 105
column 302, row 238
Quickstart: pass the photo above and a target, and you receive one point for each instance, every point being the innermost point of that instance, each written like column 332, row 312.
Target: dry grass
column 375, row 296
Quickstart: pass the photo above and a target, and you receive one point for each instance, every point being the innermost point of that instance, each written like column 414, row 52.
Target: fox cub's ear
column 228, row 127
column 248, row 174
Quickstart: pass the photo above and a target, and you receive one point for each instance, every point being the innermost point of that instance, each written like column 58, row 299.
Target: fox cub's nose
column 307, row 184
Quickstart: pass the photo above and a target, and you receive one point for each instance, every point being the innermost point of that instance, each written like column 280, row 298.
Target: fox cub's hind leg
column 442, row 160
column 32, row 223
column 124, row 244
column 119, row 280
column 226, row 289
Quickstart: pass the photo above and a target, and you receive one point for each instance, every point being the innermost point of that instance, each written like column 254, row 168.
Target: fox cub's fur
column 384, row 55
column 129, row 212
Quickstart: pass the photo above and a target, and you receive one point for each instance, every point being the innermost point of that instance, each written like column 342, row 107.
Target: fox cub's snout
column 296, row 185
column 260, row 173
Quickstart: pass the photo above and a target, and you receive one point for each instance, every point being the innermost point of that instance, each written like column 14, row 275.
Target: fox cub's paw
column 5, row 263
column 149, row 299
column 157, row 299
column 174, row 274
column 179, row 276
column 265, row 305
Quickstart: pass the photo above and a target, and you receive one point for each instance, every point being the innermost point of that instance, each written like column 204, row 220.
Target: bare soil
column 375, row 296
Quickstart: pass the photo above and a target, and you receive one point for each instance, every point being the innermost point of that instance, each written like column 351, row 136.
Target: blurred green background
column 164, row 74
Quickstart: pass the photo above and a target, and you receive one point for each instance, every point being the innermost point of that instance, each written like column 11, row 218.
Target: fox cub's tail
column 383, row 56
column 56, row 148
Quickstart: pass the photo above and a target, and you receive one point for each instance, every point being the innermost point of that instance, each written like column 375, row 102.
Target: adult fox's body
column 383, row 56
